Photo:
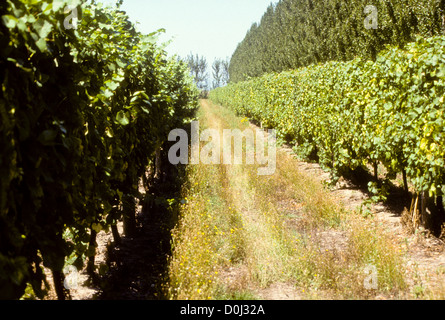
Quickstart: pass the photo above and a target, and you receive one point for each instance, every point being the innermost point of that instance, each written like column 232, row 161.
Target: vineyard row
column 360, row 113
column 83, row 112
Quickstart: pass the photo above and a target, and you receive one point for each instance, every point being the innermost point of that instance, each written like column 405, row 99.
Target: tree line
column 297, row 33
column 204, row 80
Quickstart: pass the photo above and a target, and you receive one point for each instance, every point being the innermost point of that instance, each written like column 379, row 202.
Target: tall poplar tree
column 296, row 33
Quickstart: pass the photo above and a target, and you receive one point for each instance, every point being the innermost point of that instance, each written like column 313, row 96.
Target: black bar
column 196, row 310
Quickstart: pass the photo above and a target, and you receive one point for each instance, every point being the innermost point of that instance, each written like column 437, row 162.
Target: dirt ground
column 136, row 271
column 425, row 254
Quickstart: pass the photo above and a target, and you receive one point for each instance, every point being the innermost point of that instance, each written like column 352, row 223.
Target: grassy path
column 283, row 236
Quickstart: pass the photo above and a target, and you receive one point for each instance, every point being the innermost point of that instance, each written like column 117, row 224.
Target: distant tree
column 220, row 72
column 217, row 73
column 225, row 71
column 198, row 68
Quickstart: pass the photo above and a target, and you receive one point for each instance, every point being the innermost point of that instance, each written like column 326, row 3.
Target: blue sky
column 212, row 28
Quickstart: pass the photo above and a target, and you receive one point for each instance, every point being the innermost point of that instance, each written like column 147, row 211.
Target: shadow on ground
column 397, row 198
column 139, row 264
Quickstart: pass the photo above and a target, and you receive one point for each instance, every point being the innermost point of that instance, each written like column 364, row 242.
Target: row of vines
column 83, row 110
column 360, row 114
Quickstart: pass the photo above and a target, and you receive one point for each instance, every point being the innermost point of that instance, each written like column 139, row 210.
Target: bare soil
column 425, row 254
column 136, row 267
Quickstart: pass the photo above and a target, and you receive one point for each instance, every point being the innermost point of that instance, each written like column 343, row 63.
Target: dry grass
column 240, row 234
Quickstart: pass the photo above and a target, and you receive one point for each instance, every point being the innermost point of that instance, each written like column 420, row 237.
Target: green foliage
column 82, row 112
column 351, row 114
column 297, row 33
